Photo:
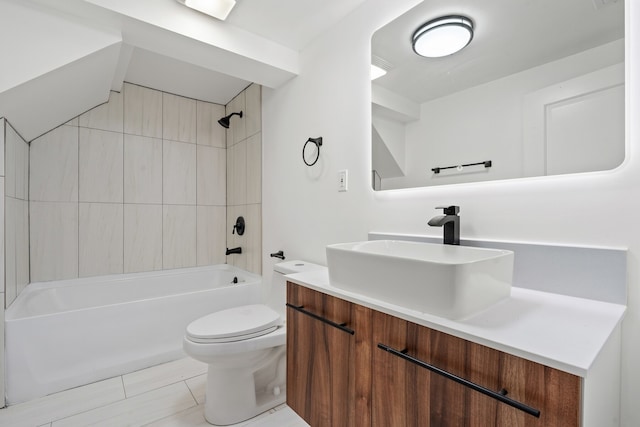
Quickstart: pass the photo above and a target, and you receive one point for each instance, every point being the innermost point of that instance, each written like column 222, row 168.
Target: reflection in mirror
column 538, row 91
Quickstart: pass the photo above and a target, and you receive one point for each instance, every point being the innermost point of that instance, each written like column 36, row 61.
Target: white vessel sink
column 444, row 280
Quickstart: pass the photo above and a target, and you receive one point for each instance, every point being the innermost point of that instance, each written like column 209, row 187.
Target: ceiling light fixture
column 217, row 8
column 443, row 36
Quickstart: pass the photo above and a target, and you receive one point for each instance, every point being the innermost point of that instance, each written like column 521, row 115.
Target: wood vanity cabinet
column 376, row 376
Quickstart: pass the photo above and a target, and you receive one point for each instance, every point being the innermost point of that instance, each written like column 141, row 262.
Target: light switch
column 342, row 180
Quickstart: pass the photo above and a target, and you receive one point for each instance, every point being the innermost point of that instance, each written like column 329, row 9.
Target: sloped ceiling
column 65, row 56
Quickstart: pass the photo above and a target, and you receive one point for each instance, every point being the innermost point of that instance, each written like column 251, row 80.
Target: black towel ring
column 318, row 142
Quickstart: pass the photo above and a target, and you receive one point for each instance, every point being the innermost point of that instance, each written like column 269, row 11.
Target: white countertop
column 562, row 332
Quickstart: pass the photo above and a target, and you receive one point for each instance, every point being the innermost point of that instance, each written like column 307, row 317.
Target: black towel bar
column 501, row 395
column 486, row 164
column 341, row 326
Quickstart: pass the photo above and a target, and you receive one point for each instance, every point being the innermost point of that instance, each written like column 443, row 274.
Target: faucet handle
column 450, row 210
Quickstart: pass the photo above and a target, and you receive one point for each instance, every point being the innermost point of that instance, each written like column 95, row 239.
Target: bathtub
column 68, row 333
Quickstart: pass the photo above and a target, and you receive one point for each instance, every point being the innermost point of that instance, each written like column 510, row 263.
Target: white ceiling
column 290, row 23
column 278, row 25
column 78, row 50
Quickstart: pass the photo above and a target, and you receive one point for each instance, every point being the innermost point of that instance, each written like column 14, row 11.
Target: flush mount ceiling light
column 217, row 8
column 442, row 36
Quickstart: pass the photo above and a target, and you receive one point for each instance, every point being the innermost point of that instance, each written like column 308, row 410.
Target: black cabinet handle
column 341, row 326
column 496, row 395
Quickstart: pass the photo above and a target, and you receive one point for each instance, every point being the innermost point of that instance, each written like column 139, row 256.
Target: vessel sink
column 443, row 280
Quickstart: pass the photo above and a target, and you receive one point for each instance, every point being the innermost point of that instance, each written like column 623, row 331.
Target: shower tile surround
column 244, row 182
column 14, row 215
column 15, row 169
column 140, row 183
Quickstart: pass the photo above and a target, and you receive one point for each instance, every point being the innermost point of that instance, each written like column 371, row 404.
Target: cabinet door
column 400, row 390
column 321, row 383
column 556, row 394
column 407, row 393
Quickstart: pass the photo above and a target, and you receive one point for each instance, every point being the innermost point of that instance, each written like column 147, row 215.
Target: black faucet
column 237, row 250
column 451, row 223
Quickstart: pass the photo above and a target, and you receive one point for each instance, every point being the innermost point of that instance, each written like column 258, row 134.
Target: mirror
column 538, row 91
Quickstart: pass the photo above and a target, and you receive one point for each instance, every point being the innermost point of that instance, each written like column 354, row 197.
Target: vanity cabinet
column 348, row 365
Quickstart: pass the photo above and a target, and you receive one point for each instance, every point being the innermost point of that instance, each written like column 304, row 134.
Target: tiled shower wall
column 136, row 184
column 14, row 218
column 244, row 178
column 16, row 212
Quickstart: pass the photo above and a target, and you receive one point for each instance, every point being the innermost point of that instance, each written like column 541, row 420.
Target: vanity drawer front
column 405, row 392
column 328, row 309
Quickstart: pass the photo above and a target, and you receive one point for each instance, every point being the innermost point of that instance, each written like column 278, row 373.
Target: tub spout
column 237, row 250
column 279, row 254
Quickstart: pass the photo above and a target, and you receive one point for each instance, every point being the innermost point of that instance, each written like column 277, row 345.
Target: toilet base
column 236, row 395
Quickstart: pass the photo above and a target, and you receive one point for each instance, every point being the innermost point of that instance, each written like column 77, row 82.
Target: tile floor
column 168, row 395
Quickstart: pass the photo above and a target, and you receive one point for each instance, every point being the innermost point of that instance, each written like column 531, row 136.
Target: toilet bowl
column 244, row 348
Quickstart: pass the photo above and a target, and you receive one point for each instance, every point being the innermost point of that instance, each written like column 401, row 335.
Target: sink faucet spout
column 450, row 221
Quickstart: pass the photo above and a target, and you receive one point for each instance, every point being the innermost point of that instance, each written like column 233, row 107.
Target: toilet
column 244, row 348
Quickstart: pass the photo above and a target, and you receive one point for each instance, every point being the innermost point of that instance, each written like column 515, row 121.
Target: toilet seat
column 234, row 324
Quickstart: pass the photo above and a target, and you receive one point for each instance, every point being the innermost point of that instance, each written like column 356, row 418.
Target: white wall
column 303, row 211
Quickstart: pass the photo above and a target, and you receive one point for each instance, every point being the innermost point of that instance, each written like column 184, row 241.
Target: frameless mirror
column 538, row 91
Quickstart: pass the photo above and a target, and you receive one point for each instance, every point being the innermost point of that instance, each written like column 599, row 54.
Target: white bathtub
column 68, row 333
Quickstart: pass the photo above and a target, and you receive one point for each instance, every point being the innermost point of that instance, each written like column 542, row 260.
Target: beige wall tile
column 142, row 237
column 142, row 169
column 211, row 176
column 179, row 173
column 100, row 238
column 100, row 166
column 254, row 169
column 211, row 238
column 54, row 240
column 209, row 132
column 237, row 129
column 237, row 174
column 108, row 116
column 253, row 101
column 2, row 146
column 142, row 111
column 10, row 275
column 22, row 245
column 11, row 146
column 54, row 166
column 179, row 236
column 178, row 118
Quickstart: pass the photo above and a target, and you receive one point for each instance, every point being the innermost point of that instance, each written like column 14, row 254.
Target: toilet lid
column 234, row 324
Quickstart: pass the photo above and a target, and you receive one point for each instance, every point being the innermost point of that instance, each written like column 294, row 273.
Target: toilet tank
column 277, row 293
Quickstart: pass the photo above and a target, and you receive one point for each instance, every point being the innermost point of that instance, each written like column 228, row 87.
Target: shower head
column 224, row 122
